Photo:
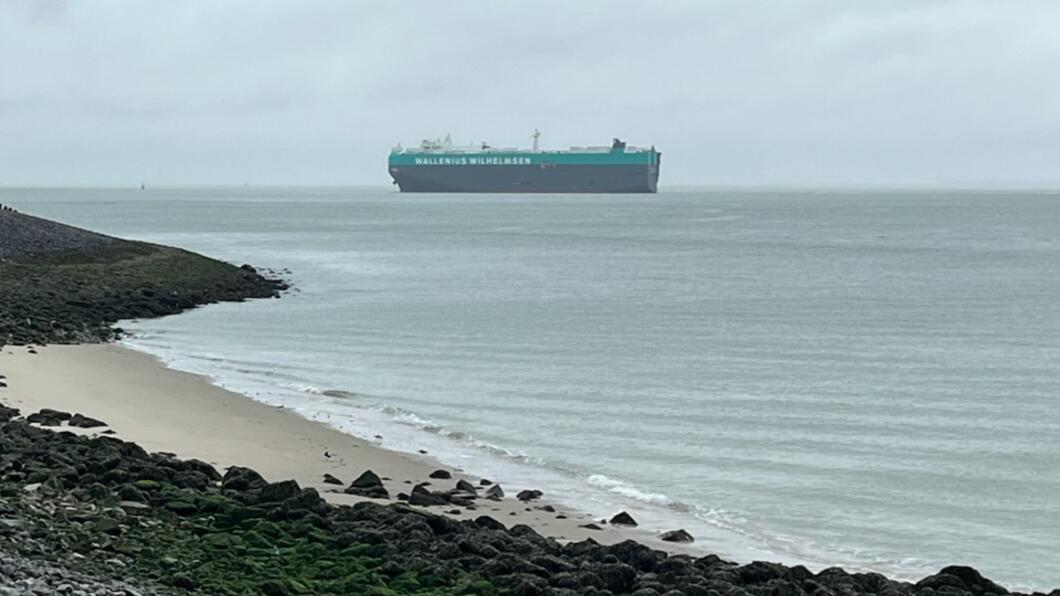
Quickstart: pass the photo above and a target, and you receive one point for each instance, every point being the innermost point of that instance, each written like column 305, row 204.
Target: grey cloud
column 807, row 92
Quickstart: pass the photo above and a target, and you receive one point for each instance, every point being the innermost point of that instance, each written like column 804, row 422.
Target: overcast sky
column 784, row 92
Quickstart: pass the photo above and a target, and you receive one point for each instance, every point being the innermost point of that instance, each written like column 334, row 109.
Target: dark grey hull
column 532, row 178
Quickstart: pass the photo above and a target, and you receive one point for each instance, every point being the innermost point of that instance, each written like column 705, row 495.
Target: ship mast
column 535, row 136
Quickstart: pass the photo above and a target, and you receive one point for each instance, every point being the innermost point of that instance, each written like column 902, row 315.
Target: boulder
column 495, row 493
column 307, row 500
column 618, row 577
column 676, row 536
column 962, row 578
column 372, row 492
column 368, row 485
column 182, row 508
column 485, row 521
column 6, row 413
column 367, row 480
column 191, row 479
column 241, row 479
column 466, row 487
column 329, row 479
column 441, row 475
column 424, row 498
column 459, row 498
column 197, row 465
column 624, row 519
column 49, row 417
column 82, row 421
column 280, row 491
column 529, row 495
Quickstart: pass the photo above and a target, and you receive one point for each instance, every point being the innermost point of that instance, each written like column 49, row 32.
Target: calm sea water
column 865, row 379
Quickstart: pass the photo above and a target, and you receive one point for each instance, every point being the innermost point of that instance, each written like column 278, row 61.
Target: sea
column 868, row 379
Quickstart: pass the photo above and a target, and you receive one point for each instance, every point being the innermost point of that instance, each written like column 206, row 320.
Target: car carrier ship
column 439, row 166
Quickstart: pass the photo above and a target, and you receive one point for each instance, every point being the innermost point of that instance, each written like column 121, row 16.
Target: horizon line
column 663, row 189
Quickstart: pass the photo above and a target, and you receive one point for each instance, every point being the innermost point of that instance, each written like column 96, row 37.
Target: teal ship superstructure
column 439, row 166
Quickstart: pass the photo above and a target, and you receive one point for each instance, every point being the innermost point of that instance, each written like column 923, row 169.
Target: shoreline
column 86, row 495
column 171, row 411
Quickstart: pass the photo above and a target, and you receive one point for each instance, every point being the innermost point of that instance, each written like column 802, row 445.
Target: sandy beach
column 170, row 411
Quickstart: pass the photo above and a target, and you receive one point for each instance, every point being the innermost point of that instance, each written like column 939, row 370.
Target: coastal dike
column 61, row 284
column 84, row 510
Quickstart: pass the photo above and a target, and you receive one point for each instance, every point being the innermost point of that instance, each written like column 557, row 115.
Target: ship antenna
column 536, row 135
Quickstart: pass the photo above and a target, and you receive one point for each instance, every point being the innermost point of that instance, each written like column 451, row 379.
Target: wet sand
column 181, row 413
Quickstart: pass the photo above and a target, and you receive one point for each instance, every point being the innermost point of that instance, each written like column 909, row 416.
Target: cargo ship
column 439, row 166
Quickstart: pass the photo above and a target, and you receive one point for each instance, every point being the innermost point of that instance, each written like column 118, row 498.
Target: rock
column 466, row 487
column 133, row 505
column 369, row 485
column 367, row 480
column 242, row 479
column 145, row 485
column 485, row 521
column 81, row 421
column 329, row 479
column 424, row 498
column 128, row 492
column 495, row 493
column 191, row 479
column 590, row 527
column 961, row 578
column 976, row 583
column 308, row 500
column 374, row 492
column 197, row 465
column 618, row 577
column 6, row 413
column 676, row 536
column 484, row 482
column 182, row 508
column 624, row 519
column 280, row 491
column 182, row 581
column 441, row 475
column 107, row 525
column 49, row 417
column 529, row 495
column 546, row 508
column 272, row 587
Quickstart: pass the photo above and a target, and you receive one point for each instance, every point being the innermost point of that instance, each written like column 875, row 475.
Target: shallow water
column 863, row 379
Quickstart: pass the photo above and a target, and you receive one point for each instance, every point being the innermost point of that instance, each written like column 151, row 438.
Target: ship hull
column 560, row 178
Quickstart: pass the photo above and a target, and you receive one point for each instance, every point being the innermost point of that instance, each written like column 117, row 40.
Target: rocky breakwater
column 61, row 284
column 99, row 510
